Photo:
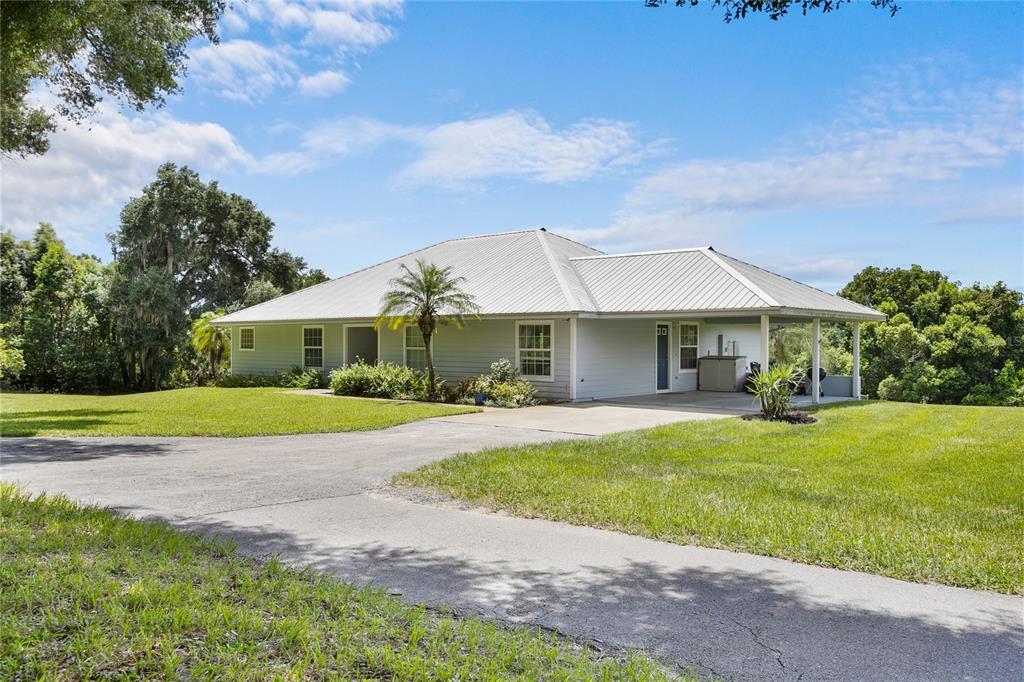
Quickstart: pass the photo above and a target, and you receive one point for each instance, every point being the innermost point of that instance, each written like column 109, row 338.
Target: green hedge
column 296, row 377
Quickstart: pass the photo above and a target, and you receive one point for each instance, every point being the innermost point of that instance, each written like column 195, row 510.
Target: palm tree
column 212, row 341
column 428, row 297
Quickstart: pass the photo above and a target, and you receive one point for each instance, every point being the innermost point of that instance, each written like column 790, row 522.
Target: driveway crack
column 277, row 504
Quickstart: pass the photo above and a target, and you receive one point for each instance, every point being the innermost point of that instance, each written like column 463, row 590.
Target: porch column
column 764, row 343
column 856, row 361
column 816, row 360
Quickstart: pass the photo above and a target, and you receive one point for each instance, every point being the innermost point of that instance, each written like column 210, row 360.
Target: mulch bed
column 791, row 418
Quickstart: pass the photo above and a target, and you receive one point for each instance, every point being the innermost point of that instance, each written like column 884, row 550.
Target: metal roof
column 508, row 273
column 538, row 272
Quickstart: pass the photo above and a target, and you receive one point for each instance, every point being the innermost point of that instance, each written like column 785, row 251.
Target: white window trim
column 679, row 346
column 246, row 350
column 405, row 348
column 303, row 346
column 528, row 377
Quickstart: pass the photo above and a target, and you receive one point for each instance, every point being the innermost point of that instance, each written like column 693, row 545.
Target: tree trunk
column 431, row 379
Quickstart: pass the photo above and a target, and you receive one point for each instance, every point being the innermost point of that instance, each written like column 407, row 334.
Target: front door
column 662, row 355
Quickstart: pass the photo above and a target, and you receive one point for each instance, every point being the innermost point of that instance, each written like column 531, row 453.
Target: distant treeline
column 185, row 248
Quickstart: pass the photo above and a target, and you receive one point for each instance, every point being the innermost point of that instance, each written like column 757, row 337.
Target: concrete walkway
column 314, row 499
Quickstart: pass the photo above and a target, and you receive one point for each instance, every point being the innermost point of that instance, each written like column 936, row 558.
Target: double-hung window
column 415, row 349
column 247, row 338
column 313, row 347
column 534, row 350
column 688, row 335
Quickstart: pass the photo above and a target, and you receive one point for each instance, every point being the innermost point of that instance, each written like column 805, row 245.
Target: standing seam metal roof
column 538, row 272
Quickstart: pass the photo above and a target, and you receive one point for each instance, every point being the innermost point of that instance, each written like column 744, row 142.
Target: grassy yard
column 924, row 493
column 86, row 594
column 203, row 412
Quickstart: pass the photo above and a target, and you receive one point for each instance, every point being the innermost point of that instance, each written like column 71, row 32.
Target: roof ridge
column 570, row 298
column 740, row 277
column 573, row 241
column 640, row 253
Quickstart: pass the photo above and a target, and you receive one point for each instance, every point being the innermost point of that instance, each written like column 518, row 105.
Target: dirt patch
column 791, row 418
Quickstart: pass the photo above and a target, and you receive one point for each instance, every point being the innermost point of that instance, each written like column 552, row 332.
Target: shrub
column 517, row 393
column 249, row 381
column 504, row 387
column 774, row 389
column 380, row 380
column 296, row 377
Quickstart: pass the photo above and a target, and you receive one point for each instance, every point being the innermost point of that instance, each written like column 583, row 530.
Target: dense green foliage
column 379, row 380
column 133, row 50
column 184, row 249
column 87, row 594
column 943, row 342
column 427, row 297
column 919, row 492
column 206, row 411
column 296, row 377
column 503, row 387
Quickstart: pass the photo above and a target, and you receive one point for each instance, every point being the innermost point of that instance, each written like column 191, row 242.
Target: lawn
column 919, row 492
column 86, row 594
column 203, row 412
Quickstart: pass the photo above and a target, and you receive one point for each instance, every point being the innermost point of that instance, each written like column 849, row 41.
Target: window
column 533, row 348
column 247, row 338
column 313, row 347
column 687, row 346
column 415, row 349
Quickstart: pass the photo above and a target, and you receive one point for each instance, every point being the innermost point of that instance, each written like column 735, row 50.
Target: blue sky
column 813, row 146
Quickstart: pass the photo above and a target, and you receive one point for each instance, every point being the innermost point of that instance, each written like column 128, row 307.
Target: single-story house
column 580, row 324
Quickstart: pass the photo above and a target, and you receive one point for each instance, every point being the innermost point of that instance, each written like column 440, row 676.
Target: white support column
column 572, row 358
column 816, row 361
column 856, row 361
column 764, row 343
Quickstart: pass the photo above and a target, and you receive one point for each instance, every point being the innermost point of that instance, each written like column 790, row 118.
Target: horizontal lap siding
column 616, row 358
column 458, row 353
column 467, row 352
column 279, row 348
column 747, row 337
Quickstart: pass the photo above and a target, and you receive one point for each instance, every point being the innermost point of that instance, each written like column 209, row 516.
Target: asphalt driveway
column 316, row 499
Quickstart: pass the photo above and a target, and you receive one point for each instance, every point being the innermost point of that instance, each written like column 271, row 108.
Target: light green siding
column 458, row 353
column 279, row 348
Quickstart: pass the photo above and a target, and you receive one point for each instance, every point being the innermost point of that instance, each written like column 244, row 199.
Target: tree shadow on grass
column 742, row 625
column 32, row 423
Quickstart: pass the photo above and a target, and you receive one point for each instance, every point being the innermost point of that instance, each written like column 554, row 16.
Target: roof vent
column 543, row 229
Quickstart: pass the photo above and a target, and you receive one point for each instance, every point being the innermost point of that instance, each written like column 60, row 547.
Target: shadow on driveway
column 37, row 450
column 733, row 624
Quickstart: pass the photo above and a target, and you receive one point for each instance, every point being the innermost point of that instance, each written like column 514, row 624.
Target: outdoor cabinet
column 721, row 372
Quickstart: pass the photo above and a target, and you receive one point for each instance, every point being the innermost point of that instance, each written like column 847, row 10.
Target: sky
column 812, row 146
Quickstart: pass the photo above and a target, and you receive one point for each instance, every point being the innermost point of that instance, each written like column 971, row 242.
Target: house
column 580, row 324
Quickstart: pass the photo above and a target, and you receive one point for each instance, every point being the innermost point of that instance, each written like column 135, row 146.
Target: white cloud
column 92, row 168
column 894, row 148
column 242, row 70
column 519, row 144
column 456, row 155
column 323, row 83
column 346, row 30
column 310, row 46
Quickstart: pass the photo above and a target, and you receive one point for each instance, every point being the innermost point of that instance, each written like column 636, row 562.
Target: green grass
column 924, row 493
column 203, row 412
column 87, row 594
